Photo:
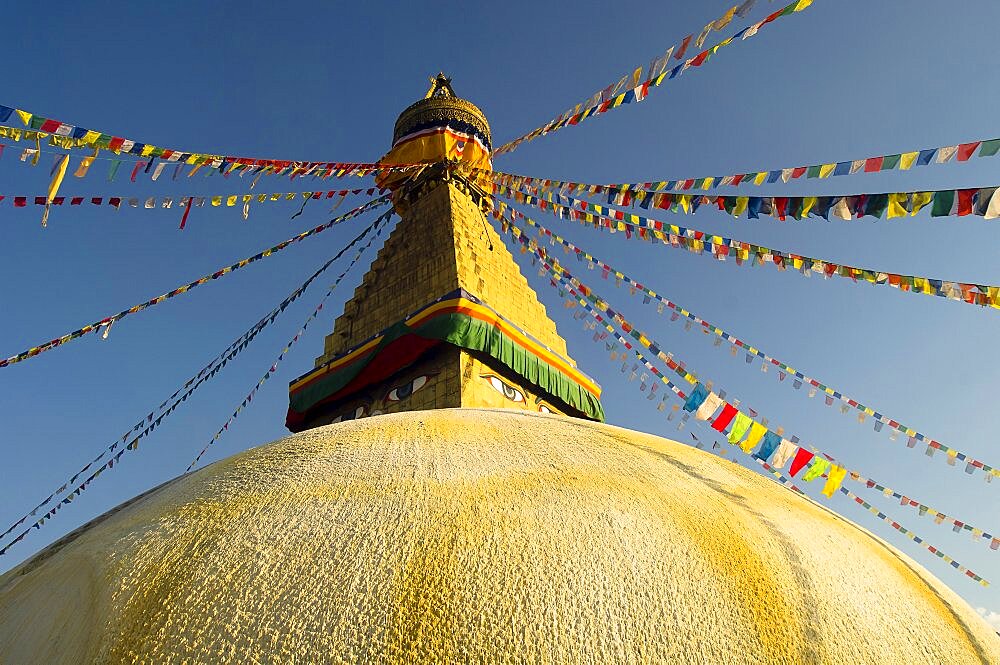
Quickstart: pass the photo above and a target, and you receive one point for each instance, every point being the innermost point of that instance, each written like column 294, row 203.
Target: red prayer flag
column 115, row 143
column 724, row 418
column 802, row 457
column 966, row 150
column 738, row 179
column 20, row 201
column 781, row 207
column 50, row 126
column 873, row 164
column 698, row 59
column 683, row 48
column 799, row 172
column 965, row 197
column 76, row 200
column 187, row 211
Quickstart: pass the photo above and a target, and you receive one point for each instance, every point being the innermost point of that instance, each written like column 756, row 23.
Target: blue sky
column 843, row 80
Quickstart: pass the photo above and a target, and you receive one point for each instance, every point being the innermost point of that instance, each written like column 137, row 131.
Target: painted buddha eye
column 544, row 409
column 400, row 393
column 502, row 387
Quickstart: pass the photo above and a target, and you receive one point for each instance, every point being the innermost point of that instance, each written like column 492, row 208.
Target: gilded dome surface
column 469, row 535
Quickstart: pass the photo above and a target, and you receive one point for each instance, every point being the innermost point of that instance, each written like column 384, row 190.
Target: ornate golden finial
column 440, row 87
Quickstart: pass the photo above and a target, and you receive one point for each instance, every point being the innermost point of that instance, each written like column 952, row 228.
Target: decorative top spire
column 440, row 87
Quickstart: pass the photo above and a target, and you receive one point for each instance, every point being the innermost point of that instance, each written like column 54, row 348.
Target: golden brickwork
column 442, row 243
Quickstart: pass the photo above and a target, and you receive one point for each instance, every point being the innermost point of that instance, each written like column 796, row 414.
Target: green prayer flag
column 989, row 148
column 943, row 202
column 813, row 171
column 890, row 162
column 795, row 207
column 816, row 469
column 877, row 203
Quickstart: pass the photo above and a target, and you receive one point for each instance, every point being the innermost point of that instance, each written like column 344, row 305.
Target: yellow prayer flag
column 802, row 4
column 826, row 169
column 636, row 76
column 707, row 183
column 741, row 205
column 85, row 163
column 216, row 201
column 759, row 178
column 897, row 206
column 834, row 477
column 906, row 160
column 920, row 199
column 290, row 196
column 25, row 117
column 807, row 205
column 231, row 201
column 757, row 432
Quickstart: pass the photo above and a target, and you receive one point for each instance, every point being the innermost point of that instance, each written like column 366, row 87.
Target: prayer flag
column 833, row 480
column 802, row 458
column 815, row 469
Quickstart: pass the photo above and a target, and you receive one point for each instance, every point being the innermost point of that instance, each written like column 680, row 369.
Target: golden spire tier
column 443, row 318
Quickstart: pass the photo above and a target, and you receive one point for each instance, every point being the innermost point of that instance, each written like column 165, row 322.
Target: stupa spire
column 443, row 318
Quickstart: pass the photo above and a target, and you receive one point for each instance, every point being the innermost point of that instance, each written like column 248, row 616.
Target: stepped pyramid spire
column 443, row 318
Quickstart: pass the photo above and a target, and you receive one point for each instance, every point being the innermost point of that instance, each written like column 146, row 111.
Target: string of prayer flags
column 951, row 455
column 703, row 402
column 896, row 162
column 780, row 477
column 657, row 65
column 152, row 421
column 637, row 91
column 982, row 202
column 186, row 202
column 66, row 136
column 914, row 537
column 721, row 248
column 108, row 320
column 702, row 394
column 284, row 352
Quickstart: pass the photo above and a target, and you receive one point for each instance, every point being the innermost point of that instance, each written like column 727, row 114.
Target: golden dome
column 479, row 536
column 442, row 106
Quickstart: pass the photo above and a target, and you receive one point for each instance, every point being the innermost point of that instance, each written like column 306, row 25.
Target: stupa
column 451, row 496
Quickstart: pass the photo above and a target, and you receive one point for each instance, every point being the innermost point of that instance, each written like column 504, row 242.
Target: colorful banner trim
column 722, row 247
column 638, row 92
column 106, row 323
column 460, row 319
column 205, row 374
column 971, row 463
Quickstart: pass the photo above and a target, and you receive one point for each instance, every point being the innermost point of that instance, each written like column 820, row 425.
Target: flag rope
column 205, row 374
column 108, row 320
column 587, row 296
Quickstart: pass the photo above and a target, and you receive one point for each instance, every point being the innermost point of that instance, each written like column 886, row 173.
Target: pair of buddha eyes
column 511, row 393
column 397, row 394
